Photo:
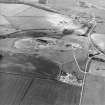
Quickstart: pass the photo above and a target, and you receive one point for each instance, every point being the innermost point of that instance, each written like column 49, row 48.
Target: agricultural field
column 40, row 64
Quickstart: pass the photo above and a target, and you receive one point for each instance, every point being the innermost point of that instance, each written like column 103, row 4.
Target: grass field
column 94, row 90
